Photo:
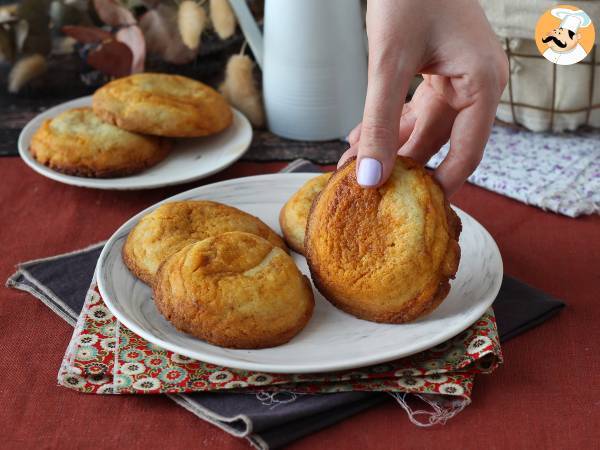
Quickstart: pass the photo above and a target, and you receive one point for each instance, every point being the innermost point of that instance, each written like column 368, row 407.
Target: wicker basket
column 542, row 96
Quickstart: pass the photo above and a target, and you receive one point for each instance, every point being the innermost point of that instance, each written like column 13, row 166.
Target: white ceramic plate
column 191, row 159
column 332, row 340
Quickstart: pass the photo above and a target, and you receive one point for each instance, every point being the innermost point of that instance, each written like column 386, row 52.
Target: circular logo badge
column 564, row 35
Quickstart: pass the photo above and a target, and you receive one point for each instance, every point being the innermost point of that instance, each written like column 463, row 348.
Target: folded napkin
column 104, row 357
column 556, row 172
column 267, row 419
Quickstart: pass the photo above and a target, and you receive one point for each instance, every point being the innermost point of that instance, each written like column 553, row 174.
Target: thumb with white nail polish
column 379, row 132
column 369, row 172
column 390, row 72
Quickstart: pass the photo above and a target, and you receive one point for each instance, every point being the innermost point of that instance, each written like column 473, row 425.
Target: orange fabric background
column 547, row 394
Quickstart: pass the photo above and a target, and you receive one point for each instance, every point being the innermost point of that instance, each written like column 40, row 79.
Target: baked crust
column 174, row 225
column 234, row 290
column 294, row 214
column 77, row 142
column 162, row 105
column 387, row 254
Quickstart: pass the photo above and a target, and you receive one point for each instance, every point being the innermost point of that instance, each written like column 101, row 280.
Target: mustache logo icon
column 557, row 41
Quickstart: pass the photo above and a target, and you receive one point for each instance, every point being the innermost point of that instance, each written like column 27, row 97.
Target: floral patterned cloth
column 556, row 172
column 104, row 357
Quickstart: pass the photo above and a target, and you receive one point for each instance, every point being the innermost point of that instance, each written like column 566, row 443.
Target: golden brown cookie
column 234, row 290
column 162, row 105
column 294, row 214
column 385, row 254
column 172, row 226
column 77, row 142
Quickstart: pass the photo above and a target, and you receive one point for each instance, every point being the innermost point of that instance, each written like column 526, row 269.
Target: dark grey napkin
column 268, row 420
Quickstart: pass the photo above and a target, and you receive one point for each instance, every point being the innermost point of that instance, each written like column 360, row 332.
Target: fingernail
column 369, row 172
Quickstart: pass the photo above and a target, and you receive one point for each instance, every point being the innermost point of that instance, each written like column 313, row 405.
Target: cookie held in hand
column 77, row 142
column 173, row 225
column 234, row 290
column 294, row 214
column 385, row 254
column 163, row 105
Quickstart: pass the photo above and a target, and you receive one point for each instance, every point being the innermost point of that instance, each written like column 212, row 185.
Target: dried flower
column 222, row 18
column 113, row 13
column 133, row 37
column 191, row 19
column 162, row 36
column 239, row 88
column 25, row 70
column 112, row 58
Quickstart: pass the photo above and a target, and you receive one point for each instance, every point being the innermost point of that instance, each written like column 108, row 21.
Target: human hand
column 465, row 71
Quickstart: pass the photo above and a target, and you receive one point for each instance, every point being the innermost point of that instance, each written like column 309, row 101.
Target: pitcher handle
column 249, row 28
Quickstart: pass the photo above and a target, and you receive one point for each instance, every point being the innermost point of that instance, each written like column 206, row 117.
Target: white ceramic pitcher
column 314, row 63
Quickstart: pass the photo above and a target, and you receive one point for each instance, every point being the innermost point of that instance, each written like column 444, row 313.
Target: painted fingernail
column 369, row 172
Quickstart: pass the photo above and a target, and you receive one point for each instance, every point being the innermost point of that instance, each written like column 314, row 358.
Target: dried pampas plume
column 25, row 70
column 239, row 88
column 191, row 20
column 222, row 18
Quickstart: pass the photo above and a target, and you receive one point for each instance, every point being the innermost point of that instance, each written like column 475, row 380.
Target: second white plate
column 332, row 340
column 191, row 159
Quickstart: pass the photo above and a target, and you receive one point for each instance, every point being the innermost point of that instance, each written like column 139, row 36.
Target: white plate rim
column 111, row 183
column 475, row 314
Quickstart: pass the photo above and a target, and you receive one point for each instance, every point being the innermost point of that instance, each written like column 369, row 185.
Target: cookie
column 162, row 105
column 77, row 142
column 294, row 214
column 234, row 290
column 173, row 225
column 386, row 254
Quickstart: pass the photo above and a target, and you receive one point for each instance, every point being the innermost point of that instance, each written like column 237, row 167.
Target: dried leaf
column 162, row 36
column 240, row 90
column 25, row 70
column 111, row 57
column 134, row 38
column 191, row 19
column 86, row 35
column 222, row 18
column 112, row 13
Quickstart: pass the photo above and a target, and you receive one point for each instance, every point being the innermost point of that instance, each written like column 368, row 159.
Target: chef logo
column 564, row 35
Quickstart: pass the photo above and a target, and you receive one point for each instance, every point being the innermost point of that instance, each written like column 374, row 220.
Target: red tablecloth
column 547, row 394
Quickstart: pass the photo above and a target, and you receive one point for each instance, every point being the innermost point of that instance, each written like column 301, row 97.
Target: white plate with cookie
column 332, row 339
column 190, row 158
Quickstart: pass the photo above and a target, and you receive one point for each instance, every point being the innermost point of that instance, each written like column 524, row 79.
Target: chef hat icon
column 571, row 20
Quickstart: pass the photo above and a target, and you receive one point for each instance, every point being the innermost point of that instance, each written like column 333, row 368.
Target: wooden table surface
column 547, row 394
